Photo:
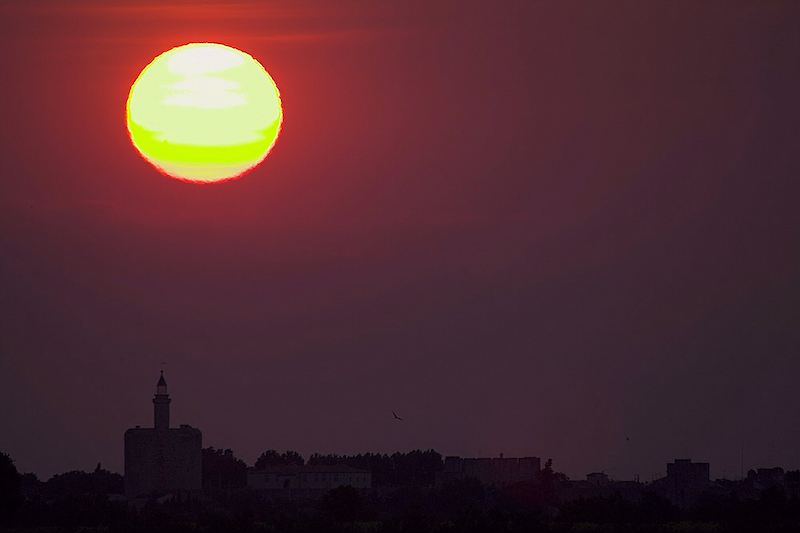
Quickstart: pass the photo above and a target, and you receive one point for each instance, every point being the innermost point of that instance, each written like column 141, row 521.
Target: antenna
column 742, row 473
column 630, row 465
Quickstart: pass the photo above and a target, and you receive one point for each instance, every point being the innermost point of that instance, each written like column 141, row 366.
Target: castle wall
column 163, row 460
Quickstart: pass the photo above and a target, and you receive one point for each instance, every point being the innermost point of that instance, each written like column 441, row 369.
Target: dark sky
column 535, row 228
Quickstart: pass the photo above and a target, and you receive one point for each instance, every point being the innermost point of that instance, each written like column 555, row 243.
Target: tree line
column 463, row 505
column 222, row 469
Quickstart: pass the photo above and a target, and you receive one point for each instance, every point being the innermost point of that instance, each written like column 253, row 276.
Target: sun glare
column 204, row 112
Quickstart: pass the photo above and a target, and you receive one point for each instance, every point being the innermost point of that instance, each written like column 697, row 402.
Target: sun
column 204, row 112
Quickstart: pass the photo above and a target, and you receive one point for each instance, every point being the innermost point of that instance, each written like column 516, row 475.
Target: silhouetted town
column 172, row 483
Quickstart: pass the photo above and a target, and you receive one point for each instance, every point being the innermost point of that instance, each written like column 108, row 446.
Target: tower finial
column 161, row 386
column 161, row 403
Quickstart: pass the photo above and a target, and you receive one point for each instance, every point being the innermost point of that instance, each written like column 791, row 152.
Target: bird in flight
column 395, row 415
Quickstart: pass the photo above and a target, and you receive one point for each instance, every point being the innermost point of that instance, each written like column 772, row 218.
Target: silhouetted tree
column 72, row 512
column 549, row 480
column 344, row 504
column 291, row 458
column 656, row 509
column 416, row 468
column 273, row 458
column 773, row 504
column 534, row 495
column 221, row 470
column 460, row 494
column 10, row 489
column 268, row 458
column 31, row 485
column 78, row 483
column 598, row 510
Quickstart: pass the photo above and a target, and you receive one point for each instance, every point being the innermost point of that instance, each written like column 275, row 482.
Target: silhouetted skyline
column 559, row 230
column 170, row 476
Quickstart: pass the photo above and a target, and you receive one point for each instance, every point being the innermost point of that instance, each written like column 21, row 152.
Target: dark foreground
column 462, row 507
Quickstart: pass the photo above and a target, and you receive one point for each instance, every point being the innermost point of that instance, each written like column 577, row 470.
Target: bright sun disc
column 204, row 112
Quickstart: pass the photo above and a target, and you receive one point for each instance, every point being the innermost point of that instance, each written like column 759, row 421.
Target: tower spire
column 161, row 404
column 161, row 387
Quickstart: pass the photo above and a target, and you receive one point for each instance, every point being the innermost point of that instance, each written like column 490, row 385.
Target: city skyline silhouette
column 171, row 478
column 535, row 229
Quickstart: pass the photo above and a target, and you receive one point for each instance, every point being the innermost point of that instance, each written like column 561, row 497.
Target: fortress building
column 162, row 459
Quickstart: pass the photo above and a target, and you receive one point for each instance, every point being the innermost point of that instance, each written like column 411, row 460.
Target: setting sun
column 204, row 112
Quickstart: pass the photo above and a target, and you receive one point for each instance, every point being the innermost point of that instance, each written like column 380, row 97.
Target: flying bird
column 395, row 415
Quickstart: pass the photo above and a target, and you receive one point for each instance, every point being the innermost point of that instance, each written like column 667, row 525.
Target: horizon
column 306, row 457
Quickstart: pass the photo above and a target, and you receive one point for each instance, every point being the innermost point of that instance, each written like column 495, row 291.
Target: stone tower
column 161, row 459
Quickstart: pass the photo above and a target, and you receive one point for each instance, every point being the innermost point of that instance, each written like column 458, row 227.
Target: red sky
column 534, row 228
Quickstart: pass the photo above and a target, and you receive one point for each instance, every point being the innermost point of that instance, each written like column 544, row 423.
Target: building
column 771, row 477
column 308, row 478
column 490, row 471
column 685, row 481
column 598, row 479
column 161, row 459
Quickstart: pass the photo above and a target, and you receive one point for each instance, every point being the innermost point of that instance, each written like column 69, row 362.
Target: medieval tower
column 161, row 459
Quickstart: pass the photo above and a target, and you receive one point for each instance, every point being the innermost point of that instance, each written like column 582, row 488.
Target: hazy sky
column 535, row 228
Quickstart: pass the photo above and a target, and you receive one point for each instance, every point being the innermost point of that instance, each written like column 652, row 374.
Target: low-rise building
column 598, row 479
column 685, row 481
column 771, row 477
